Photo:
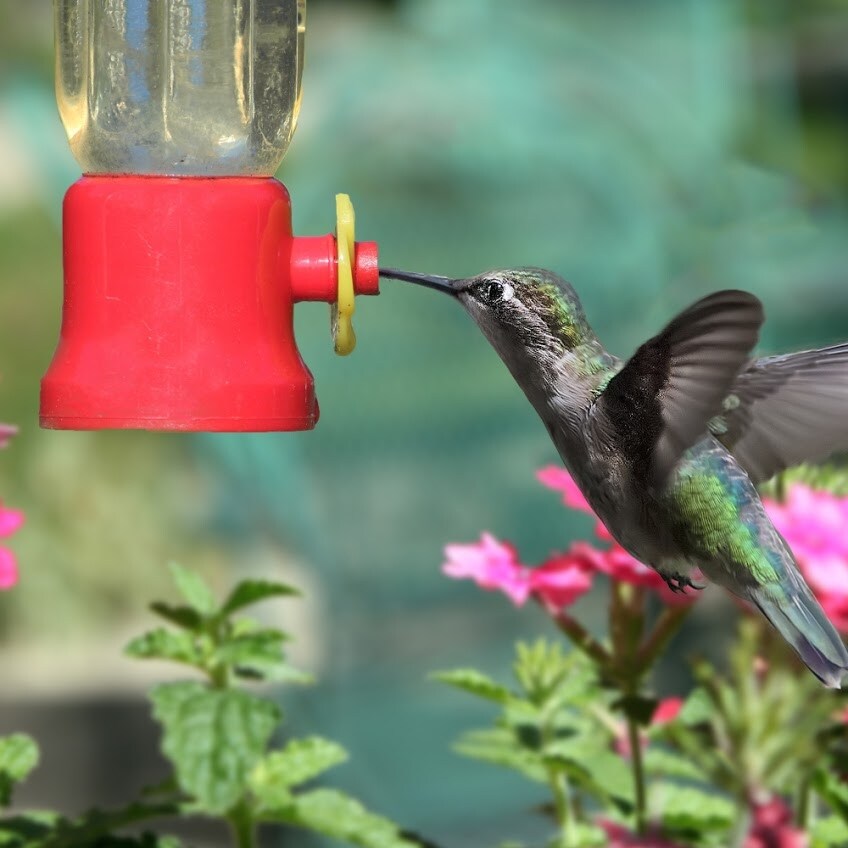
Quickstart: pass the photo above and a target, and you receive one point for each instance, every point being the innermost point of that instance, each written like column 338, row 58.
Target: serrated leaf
column 194, row 590
column 602, row 771
column 475, row 682
column 500, row 747
column 18, row 757
column 339, row 816
column 697, row 709
column 662, row 763
column 541, row 668
column 299, row 761
column 249, row 592
column 214, row 738
column 176, row 646
column 830, row 832
column 184, row 617
column 259, row 656
column 685, row 808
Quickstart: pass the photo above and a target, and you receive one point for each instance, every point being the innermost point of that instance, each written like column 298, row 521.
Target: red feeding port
column 178, row 308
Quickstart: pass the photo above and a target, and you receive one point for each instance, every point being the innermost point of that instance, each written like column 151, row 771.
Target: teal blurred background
column 648, row 151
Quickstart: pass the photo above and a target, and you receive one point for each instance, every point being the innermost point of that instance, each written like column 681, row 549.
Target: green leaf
column 250, row 592
column 93, row 829
column 30, row 829
column 540, row 668
column 18, row 757
column 685, row 808
column 176, row 646
column 662, row 763
column 301, row 760
column 833, row 790
column 601, row 771
column 259, row 656
column 475, row 682
column 588, row 836
column 500, row 747
column 214, row 738
column 552, row 679
column 184, row 617
column 194, row 590
column 697, row 709
column 339, row 816
column 830, row 832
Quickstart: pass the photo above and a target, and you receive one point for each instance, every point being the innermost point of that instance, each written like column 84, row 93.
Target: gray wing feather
column 783, row 410
column 659, row 404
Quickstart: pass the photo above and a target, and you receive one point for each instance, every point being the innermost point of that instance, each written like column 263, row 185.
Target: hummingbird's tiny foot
column 678, row 583
column 673, row 583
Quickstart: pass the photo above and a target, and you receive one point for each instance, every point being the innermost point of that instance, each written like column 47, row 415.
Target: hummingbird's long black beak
column 431, row 281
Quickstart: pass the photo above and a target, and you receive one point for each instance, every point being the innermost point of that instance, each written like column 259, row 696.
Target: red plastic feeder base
column 178, row 308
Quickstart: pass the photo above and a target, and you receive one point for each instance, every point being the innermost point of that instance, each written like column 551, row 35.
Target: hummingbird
column 669, row 445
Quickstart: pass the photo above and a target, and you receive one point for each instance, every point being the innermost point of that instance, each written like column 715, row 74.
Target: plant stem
column 563, row 806
column 241, row 821
column 802, row 817
column 581, row 638
column 640, row 812
column 667, row 625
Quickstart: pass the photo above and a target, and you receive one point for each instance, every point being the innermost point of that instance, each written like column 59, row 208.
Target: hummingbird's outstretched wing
column 783, row 410
column 659, row 404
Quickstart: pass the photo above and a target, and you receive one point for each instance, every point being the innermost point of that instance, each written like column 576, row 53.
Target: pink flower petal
column 8, row 569
column 812, row 522
column 7, row 431
column 560, row 480
column 560, row 581
column 620, row 837
column 10, row 521
column 491, row 565
column 618, row 565
column 667, row 710
column 771, row 827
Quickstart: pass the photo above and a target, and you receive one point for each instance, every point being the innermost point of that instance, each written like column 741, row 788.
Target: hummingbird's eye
column 498, row 292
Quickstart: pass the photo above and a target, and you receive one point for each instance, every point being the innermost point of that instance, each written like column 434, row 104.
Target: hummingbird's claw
column 679, row 583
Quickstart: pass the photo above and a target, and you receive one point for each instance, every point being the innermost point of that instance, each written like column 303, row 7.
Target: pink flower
column 10, row 522
column 491, row 565
column 620, row 837
column 560, row 480
column 559, row 581
column 772, row 827
column 667, row 710
column 812, row 522
column 615, row 562
column 7, row 431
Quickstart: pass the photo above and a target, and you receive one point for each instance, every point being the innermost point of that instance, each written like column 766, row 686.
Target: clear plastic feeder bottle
column 181, row 270
column 184, row 87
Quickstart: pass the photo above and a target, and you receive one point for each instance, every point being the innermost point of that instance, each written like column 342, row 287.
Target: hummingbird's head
column 525, row 313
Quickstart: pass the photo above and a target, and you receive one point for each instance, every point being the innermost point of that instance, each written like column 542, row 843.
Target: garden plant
column 754, row 756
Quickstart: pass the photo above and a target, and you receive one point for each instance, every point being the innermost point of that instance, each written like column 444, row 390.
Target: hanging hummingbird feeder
column 181, row 269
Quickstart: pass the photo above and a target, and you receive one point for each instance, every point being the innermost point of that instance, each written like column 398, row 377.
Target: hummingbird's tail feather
column 798, row 617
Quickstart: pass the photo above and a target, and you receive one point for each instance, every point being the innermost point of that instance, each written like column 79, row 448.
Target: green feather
column 710, row 512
